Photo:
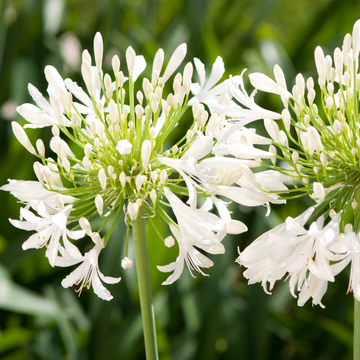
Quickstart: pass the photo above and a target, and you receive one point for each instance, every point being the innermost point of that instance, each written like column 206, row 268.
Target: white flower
column 33, row 191
column 197, row 228
column 205, row 91
column 88, row 272
column 49, row 230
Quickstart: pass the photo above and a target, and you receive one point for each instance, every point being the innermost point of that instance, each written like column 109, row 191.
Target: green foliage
column 220, row 317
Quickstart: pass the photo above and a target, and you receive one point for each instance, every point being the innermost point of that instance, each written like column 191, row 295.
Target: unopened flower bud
column 115, row 63
column 23, row 139
column 295, row 157
column 99, row 203
column 139, row 182
column 40, row 147
column 163, row 176
column 102, row 178
column 153, row 196
column 85, row 225
column 126, row 263
column 133, row 210
column 319, row 191
column 124, row 146
column 169, row 241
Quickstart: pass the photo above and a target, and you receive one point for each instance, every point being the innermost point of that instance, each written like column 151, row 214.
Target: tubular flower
column 110, row 144
column 320, row 150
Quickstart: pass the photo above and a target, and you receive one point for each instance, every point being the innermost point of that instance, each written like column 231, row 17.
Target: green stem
column 357, row 330
column 143, row 275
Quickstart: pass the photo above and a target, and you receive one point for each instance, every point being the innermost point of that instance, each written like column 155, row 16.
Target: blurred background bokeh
column 220, row 317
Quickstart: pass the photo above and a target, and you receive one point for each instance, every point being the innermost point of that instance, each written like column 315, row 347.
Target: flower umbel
column 116, row 160
column 319, row 149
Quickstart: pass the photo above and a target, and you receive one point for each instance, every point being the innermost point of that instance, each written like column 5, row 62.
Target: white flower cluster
column 116, row 158
column 321, row 150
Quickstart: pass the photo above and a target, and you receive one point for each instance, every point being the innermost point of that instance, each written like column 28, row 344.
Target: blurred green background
column 220, row 317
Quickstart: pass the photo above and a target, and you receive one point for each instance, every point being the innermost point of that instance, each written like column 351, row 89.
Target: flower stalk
column 143, row 276
column 356, row 329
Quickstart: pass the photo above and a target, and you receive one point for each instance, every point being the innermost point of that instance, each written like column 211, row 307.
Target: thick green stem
column 357, row 330
column 143, row 275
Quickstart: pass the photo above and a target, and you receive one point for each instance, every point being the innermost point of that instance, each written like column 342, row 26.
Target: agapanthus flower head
column 319, row 149
column 111, row 155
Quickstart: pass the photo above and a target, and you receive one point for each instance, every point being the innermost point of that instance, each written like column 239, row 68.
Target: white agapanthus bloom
column 87, row 273
column 319, row 151
column 111, row 151
column 50, row 226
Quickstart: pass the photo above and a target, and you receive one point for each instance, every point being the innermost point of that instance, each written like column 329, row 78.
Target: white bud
column 122, row 178
column 175, row 149
column 328, row 66
column 102, row 178
column 145, row 152
column 154, row 105
column 98, row 51
column 311, row 96
column 139, row 111
column 110, row 170
column 130, row 60
column 332, row 213
column 139, row 203
column 310, row 83
column 88, row 150
column 85, row 225
column 354, row 204
column 126, row 263
column 353, row 151
column 169, row 241
column 330, row 88
column 140, row 97
column 152, row 132
column 40, row 147
column 139, row 182
column 87, row 76
column 286, row 117
column 329, row 103
column 295, row 157
column 163, row 176
column 346, row 78
column 279, row 76
column 38, row 169
column 320, row 65
column 121, row 79
column 338, row 62
column 115, row 63
column 323, row 159
column 124, row 146
column 319, row 191
column 350, row 93
column 157, row 65
column 66, row 164
column 86, row 163
column 153, row 196
column 187, row 75
column 99, row 203
column 189, row 135
column 133, row 210
column 23, row 139
column 273, row 129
